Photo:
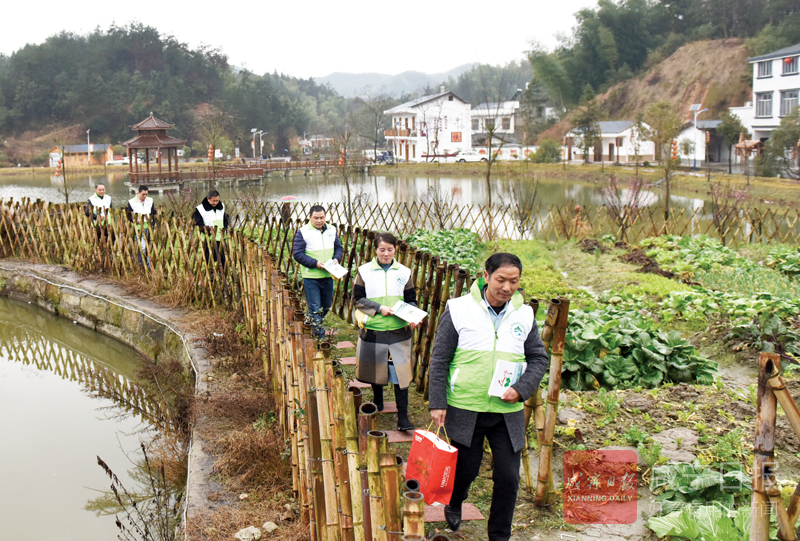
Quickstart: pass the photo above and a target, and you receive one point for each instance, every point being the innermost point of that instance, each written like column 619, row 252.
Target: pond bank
column 146, row 327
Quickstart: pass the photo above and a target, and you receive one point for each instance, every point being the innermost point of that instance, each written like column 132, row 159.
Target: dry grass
column 223, row 522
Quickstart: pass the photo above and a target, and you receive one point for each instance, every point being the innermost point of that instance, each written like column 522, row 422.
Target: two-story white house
column 430, row 127
column 776, row 84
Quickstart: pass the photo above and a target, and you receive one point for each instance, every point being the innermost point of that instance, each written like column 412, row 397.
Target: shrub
column 549, row 151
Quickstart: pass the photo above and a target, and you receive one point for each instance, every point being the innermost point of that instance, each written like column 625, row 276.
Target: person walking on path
column 383, row 353
column 476, row 331
column 314, row 244
column 208, row 215
column 97, row 208
column 142, row 213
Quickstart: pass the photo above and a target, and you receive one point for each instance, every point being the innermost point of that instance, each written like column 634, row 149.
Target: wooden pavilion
column 152, row 135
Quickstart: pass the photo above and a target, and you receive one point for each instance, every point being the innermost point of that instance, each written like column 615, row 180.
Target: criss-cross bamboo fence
column 766, row 495
column 547, row 222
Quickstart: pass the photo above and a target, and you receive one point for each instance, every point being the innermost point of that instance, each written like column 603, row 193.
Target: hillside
column 714, row 73
column 350, row 84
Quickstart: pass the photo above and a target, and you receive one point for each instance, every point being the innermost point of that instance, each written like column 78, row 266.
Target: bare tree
column 726, row 203
column 439, row 202
column 213, row 124
column 665, row 126
column 65, row 184
column 373, row 122
column 624, row 204
column 523, row 205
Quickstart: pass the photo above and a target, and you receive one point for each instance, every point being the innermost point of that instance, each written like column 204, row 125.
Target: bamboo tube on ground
column 351, row 443
column 545, row 488
column 413, row 513
column 764, row 449
column 375, row 441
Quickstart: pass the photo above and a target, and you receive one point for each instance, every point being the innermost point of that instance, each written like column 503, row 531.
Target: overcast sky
column 313, row 38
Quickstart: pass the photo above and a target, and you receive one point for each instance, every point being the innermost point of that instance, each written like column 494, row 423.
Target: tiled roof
column 151, row 140
column 792, row 50
column 152, row 123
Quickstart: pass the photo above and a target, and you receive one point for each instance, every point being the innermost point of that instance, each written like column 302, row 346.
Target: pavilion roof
column 152, row 123
column 152, row 140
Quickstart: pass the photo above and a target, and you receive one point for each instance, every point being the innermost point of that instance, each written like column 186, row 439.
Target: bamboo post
column 391, row 466
column 375, row 441
column 351, row 444
column 763, row 449
column 545, row 489
column 530, row 406
column 413, row 513
column 337, row 394
column 367, row 417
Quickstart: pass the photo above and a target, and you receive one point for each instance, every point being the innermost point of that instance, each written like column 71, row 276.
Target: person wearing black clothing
column 208, row 216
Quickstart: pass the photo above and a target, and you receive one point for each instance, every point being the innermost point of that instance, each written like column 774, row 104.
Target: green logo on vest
column 518, row 331
column 400, row 280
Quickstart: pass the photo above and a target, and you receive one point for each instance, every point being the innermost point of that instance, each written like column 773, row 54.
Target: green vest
column 480, row 347
column 385, row 288
column 320, row 246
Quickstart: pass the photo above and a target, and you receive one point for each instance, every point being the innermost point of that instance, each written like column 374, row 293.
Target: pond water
column 53, row 428
column 387, row 187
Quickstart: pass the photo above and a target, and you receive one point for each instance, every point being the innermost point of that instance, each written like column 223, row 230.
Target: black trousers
column 505, row 475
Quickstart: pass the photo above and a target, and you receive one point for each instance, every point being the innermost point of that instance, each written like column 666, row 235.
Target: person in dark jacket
column 314, row 244
column 487, row 331
column 212, row 221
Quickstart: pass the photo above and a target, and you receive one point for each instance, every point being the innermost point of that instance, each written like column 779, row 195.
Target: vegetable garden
column 648, row 353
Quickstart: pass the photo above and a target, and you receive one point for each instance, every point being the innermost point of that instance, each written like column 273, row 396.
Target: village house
column 430, row 127
column 78, row 155
column 776, row 84
column 718, row 151
column 619, row 139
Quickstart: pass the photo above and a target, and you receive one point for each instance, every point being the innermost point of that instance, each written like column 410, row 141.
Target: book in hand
column 333, row 267
column 409, row 313
column 505, row 375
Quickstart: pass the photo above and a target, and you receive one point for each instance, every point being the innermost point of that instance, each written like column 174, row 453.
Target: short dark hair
column 502, row 259
column 99, row 184
column 316, row 208
column 388, row 238
column 213, row 193
column 144, row 188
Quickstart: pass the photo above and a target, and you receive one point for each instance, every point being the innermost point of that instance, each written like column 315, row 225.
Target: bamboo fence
column 766, row 495
column 546, row 222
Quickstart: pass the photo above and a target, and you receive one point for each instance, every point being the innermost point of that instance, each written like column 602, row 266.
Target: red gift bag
column 432, row 462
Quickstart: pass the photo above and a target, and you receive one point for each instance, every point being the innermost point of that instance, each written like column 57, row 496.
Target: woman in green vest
column 383, row 354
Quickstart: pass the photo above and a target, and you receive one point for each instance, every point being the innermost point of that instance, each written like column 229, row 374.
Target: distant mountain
column 350, row 84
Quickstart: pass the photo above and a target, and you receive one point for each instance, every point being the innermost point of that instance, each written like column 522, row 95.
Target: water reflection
column 53, row 423
column 385, row 187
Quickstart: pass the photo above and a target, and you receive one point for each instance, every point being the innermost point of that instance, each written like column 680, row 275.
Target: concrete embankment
column 148, row 328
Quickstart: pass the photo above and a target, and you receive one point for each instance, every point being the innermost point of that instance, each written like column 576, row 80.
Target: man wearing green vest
column 314, row 244
column 97, row 208
column 208, row 215
column 475, row 387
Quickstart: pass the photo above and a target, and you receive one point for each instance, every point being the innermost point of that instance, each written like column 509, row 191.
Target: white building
column 430, row 127
column 776, row 83
column 502, row 117
column 718, row 151
column 619, row 140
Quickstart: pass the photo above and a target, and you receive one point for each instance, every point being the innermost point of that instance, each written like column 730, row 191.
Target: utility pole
column 88, row 149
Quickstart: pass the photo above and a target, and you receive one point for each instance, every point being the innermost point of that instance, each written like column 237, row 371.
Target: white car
column 470, row 155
